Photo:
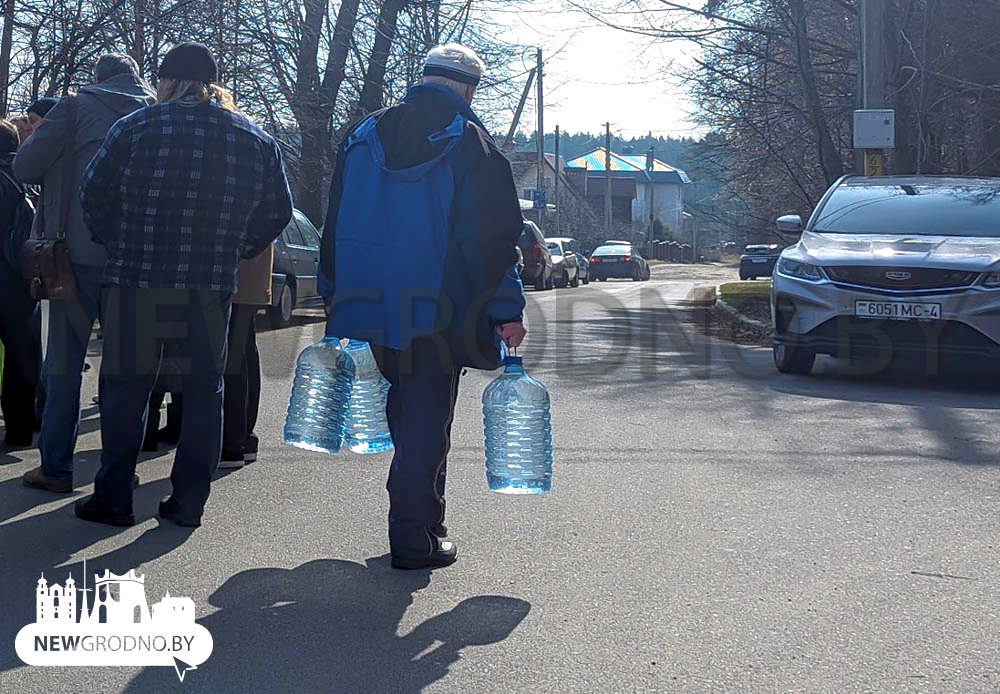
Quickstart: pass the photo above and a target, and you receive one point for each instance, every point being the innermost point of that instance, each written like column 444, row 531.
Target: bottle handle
column 506, row 351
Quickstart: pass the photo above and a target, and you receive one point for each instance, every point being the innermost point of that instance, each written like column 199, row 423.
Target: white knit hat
column 455, row 62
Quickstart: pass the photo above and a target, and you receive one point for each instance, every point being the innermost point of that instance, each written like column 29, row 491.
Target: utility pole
column 540, row 183
column 873, row 72
column 520, row 109
column 650, row 166
column 555, row 192
column 607, row 179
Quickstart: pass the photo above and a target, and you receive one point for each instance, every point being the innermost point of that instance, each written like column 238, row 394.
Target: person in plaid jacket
column 178, row 193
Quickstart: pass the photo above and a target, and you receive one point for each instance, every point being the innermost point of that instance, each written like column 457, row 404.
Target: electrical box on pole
column 874, row 132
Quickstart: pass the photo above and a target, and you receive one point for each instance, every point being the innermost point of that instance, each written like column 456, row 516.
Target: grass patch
column 738, row 294
column 752, row 299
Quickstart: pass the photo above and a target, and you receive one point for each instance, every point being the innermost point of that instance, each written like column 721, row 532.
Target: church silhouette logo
column 115, row 626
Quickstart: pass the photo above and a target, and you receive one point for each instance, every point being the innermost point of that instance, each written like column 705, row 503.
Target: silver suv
column 889, row 266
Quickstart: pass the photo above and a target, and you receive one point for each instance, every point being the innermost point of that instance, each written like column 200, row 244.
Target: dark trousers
column 187, row 327
column 242, row 383
column 420, row 410
column 22, row 361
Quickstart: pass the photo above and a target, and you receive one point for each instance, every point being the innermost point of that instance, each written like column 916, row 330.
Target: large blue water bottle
column 321, row 394
column 366, row 429
column 518, row 432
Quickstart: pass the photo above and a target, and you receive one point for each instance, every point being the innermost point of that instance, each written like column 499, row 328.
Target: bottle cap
column 512, row 361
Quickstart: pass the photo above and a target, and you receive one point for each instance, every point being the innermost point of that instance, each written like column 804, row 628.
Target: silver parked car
column 890, row 266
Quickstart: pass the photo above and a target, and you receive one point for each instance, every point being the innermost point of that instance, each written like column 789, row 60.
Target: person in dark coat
column 38, row 110
column 118, row 90
column 178, row 193
column 19, row 324
column 422, row 188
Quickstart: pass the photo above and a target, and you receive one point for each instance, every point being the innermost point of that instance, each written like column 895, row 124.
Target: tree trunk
column 313, row 102
column 374, row 87
column 5, row 47
column 138, row 51
column 829, row 157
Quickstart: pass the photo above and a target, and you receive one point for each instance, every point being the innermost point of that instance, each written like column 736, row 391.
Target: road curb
column 730, row 313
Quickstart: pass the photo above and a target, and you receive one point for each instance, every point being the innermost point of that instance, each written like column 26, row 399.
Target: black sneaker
column 445, row 555
column 250, row 449
column 231, row 461
column 171, row 510
column 90, row 510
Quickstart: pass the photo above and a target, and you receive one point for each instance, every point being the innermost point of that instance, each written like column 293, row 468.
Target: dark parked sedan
column 618, row 261
column 296, row 266
column 758, row 261
column 538, row 271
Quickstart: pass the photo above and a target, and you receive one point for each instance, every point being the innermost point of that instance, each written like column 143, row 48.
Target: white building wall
column 668, row 205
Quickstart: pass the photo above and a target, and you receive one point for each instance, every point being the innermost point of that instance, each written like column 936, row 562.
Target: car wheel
column 636, row 276
column 563, row 281
column 575, row 282
column 792, row 360
column 602, row 279
column 586, row 278
column 280, row 316
column 551, row 284
column 743, row 277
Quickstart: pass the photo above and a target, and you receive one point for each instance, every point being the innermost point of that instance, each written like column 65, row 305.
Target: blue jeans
column 189, row 328
column 70, row 326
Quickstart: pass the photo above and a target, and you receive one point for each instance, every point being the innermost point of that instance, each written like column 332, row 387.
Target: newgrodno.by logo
column 114, row 628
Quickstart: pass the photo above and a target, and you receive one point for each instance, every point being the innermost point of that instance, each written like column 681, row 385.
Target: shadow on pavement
column 332, row 626
column 44, row 541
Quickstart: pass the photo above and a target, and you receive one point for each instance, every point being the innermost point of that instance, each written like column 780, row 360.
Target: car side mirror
column 790, row 224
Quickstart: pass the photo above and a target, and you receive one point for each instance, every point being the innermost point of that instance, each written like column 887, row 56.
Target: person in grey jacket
column 118, row 90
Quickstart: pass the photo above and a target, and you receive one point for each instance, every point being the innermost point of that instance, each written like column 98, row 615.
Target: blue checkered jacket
column 177, row 194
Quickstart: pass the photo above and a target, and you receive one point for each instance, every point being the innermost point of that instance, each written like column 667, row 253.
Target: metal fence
column 672, row 252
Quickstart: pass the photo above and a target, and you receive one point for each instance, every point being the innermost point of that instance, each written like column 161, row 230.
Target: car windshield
column 554, row 247
column 953, row 208
column 612, row 250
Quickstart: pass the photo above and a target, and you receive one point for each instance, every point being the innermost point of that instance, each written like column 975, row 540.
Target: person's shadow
column 52, row 543
column 331, row 626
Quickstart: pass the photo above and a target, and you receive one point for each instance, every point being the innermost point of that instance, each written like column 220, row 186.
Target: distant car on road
column 890, row 266
column 616, row 260
column 758, row 260
column 566, row 262
column 296, row 266
column 537, row 270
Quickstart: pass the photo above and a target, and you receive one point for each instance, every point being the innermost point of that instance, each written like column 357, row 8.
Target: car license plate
column 609, row 260
column 897, row 310
column 758, row 260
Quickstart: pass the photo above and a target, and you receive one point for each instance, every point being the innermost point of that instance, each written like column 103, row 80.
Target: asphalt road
column 713, row 527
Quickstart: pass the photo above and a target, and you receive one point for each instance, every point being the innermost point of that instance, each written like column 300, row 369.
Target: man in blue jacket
column 418, row 259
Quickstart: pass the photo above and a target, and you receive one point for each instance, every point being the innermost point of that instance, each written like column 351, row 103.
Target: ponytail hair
column 193, row 93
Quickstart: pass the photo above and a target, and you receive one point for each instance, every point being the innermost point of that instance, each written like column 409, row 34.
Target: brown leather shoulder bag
column 45, row 262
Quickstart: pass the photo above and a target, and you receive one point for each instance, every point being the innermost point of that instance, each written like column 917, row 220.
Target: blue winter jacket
column 421, row 231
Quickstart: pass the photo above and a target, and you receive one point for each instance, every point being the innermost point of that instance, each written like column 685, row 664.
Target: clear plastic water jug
column 518, row 432
column 366, row 429
column 321, row 394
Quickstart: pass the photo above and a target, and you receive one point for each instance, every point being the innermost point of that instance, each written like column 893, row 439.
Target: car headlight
column 991, row 279
column 803, row 271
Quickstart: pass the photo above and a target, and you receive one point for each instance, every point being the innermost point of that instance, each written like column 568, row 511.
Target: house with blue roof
column 639, row 187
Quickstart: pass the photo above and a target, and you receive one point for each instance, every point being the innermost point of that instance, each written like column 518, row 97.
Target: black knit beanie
column 189, row 61
column 43, row 105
